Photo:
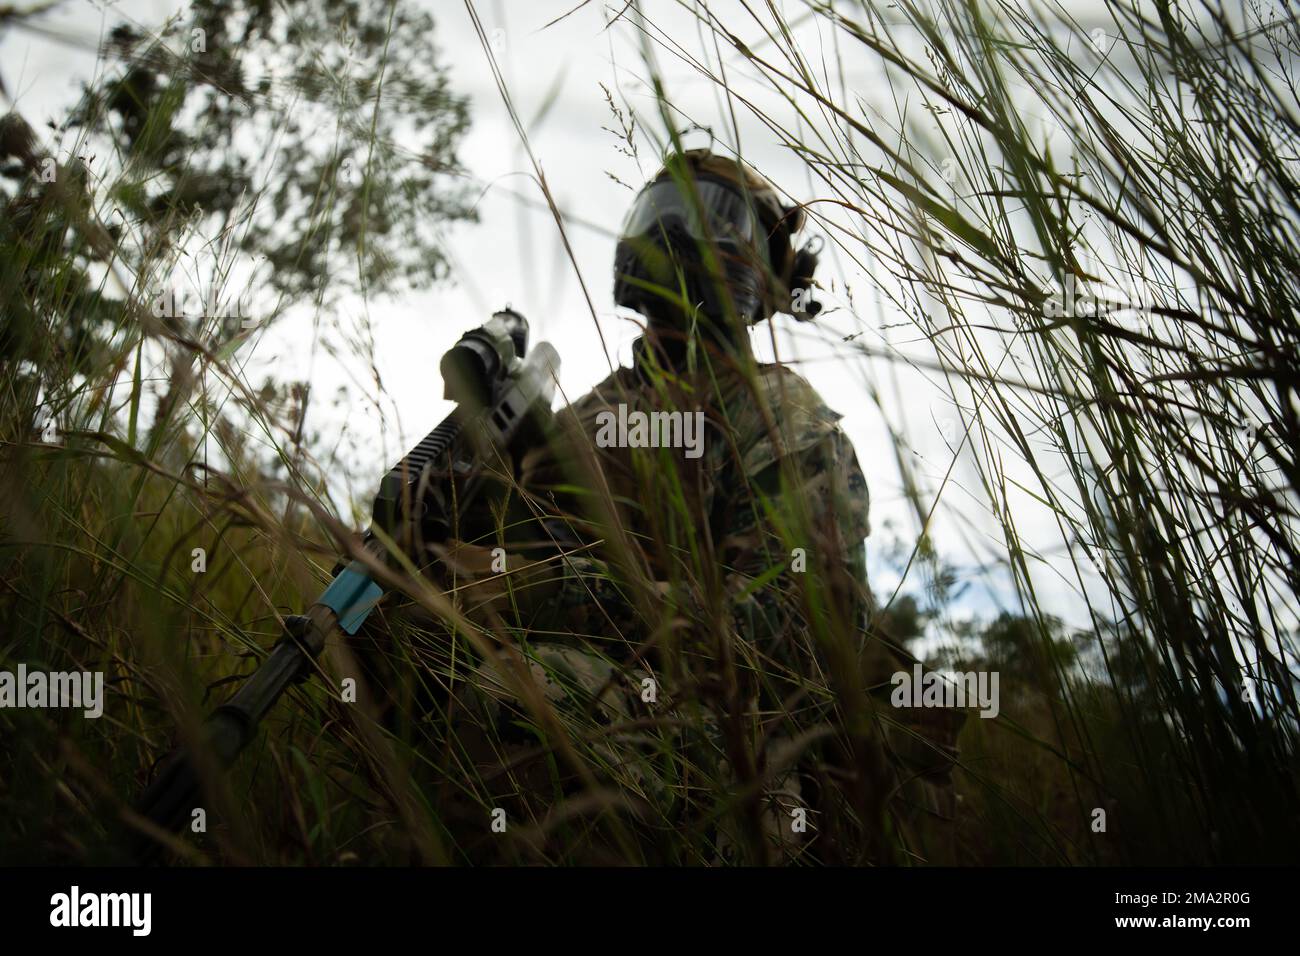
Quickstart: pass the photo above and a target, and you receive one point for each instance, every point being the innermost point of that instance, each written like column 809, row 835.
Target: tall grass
column 1147, row 158
column 1158, row 160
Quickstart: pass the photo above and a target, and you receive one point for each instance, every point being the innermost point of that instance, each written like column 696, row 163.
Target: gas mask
column 699, row 256
column 712, row 251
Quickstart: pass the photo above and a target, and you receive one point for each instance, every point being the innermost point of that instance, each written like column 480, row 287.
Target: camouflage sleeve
column 802, row 503
column 550, row 585
column 795, row 521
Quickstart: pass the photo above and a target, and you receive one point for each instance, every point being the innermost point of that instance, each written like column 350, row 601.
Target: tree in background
column 264, row 158
column 261, row 156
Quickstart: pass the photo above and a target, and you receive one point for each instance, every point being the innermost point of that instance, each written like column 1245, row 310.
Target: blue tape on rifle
column 352, row 596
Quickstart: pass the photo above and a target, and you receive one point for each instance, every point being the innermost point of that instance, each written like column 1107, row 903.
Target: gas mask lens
column 722, row 213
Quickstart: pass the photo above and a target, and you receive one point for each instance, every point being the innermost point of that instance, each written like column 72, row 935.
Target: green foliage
column 1163, row 451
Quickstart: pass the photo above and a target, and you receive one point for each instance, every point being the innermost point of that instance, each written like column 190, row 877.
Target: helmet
column 710, row 233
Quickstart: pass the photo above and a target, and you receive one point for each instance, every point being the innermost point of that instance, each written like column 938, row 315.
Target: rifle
column 503, row 398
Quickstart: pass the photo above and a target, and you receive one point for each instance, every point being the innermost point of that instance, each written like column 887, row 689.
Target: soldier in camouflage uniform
column 708, row 612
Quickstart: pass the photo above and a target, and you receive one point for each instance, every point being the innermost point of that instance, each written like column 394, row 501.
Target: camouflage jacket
column 679, row 548
column 728, row 568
